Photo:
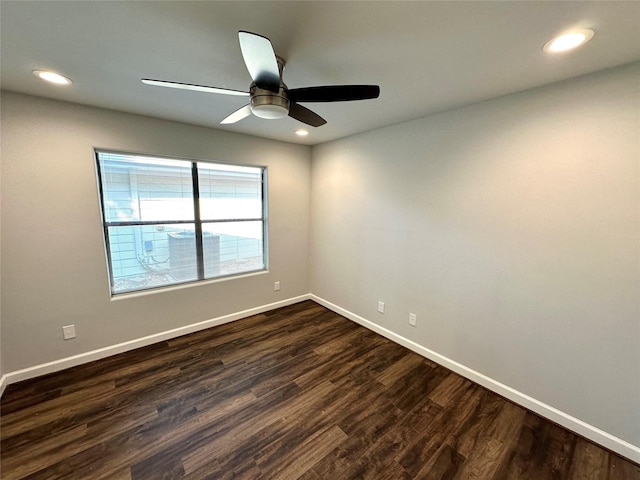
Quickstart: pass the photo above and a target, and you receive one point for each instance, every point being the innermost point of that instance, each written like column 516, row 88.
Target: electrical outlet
column 381, row 307
column 276, row 286
column 69, row 332
column 412, row 319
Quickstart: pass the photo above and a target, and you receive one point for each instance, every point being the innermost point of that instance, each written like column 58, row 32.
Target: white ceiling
column 427, row 57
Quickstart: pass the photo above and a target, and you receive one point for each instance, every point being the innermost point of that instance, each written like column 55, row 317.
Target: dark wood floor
column 299, row 392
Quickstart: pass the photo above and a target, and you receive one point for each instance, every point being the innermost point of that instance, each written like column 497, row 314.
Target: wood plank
column 621, row 468
column 235, row 436
column 308, row 453
column 494, row 444
column 420, row 454
column 400, row 368
column 543, row 450
column 589, row 462
column 37, row 456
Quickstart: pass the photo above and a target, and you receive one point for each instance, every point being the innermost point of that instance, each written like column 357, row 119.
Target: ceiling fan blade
column 260, row 60
column 195, row 88
column 238, row 115
column 305, row 115
column 334, row 93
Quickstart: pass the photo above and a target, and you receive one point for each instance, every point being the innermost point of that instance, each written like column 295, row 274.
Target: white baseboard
column 3, row 384
column 617, row 445
column 57, row 365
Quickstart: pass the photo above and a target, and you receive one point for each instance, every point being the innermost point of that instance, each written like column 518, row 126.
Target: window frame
column 197, row 221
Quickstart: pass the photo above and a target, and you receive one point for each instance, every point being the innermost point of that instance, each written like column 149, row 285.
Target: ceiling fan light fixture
column 568, row 41
column 270, row 112
column 265, row 104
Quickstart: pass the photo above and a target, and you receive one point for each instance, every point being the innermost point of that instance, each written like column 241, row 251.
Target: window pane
column 150, row 221
column 138, row 188
column 229, row 192
column 151, row 256
column 240, row 247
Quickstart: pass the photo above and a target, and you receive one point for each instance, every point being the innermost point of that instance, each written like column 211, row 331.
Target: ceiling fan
column 269, row 96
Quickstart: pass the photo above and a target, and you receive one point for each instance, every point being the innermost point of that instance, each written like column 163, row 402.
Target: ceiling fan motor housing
column 267, row 104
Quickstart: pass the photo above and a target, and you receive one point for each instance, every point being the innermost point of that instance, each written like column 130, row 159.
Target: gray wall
column 511, row 228
column 54, row 270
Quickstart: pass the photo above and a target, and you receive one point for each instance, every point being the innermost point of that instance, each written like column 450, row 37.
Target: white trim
column 68, row 362
column 181, row 286
column 3, row 384
column 615, row 444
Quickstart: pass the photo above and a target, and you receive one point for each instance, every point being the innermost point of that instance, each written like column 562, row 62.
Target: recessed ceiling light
column 302, row 132
column 52, row 77
column 568, row 41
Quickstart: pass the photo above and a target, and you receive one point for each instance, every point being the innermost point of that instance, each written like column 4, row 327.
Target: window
column 169, row 221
